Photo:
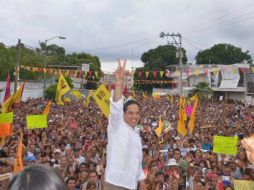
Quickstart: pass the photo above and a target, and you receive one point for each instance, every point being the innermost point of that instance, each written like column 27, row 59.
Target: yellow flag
column 47, row 108
column 88, row 99
column 184, row 112
column 15, row 98
column 133, row 94
column 77, row 94
column 101, row 97
column 18, row 165
column 181, row 124
column 170, row 98
column 18, row 94
column 159, row 129
column 191, row 124
column 161, row 73
column 156, row 96
column 62, row 88
column 145, row 96
column 67, row 99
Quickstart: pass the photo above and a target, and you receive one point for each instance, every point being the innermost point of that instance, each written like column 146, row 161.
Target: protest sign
column 225, row 145
column 36, row 121
column 5, row 129
column 243, row 185
column 6, row 117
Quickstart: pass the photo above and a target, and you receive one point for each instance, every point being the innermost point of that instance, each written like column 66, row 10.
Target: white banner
column 230, row 77
column 85, row 67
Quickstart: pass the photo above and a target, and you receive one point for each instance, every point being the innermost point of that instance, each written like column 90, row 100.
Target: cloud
column 127, row 27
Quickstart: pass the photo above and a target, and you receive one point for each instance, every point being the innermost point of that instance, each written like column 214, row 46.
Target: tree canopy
column 224, row 54
column 161, row 57
column 41, row 57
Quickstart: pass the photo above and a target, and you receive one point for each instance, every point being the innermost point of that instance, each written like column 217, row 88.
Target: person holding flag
column 124, row 149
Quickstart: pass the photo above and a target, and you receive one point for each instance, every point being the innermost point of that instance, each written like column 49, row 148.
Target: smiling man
column 124, row 149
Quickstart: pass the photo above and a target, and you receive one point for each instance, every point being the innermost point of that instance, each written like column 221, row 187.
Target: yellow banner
column 243, row 185
column 6, row 117
column 36, row 121
column 159, row 129
column 62, row 88
column 225, row 145
column 77, row 94
column 101, row 97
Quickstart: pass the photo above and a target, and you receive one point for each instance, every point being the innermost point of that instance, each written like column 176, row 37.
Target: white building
column 234, row 82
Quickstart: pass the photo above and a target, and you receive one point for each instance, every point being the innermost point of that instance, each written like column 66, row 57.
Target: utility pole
column 17, row 67
column 180, row 54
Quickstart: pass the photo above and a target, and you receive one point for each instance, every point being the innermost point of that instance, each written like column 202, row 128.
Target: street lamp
column 46, row 41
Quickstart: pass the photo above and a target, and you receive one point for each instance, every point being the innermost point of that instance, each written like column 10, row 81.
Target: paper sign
column 101, row 97
column 6, row 117
column 36, row 121
column 225, row 145
column 5, row 129
column 243, row 185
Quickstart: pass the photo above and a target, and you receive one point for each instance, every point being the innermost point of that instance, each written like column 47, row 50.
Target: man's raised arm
column 120, row 80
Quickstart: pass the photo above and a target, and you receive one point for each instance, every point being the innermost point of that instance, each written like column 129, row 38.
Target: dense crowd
column 74, row 144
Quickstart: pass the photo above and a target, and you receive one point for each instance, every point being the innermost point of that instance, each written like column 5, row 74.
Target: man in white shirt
column 124, row 149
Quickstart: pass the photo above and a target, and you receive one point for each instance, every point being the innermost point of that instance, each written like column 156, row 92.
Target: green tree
column 7, row 61
column 224, row 54
column 157, row 59
column 202, row 89
column 161, row 57
column 78, row 59
column 50, row 92
column 37, row 58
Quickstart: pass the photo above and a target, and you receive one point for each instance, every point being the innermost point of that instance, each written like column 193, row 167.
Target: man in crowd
column 124, row 150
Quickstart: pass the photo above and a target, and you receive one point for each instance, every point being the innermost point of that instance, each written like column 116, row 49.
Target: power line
column 222, row 25
column 190, row 43
column 218, row 18
column 120, row 45
column 128, row 49
column 226, row 22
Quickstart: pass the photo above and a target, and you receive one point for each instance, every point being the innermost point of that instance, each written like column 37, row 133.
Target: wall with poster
column 230, row 77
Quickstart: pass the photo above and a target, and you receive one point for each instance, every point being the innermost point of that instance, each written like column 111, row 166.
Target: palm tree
column 202, row 89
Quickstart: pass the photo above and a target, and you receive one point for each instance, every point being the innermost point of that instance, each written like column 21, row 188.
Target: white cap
column 172, row 162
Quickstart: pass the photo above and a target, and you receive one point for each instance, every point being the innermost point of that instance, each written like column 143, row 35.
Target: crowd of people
column 75, row 141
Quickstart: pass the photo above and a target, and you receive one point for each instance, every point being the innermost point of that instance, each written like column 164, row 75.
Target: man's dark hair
column 70, row 178
column 177, row 150
column 129, row 102
column 159, row 173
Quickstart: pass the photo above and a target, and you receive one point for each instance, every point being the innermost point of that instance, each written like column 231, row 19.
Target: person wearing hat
column 124, row 149
column 31, row 160
column 173, row 174
column 172, row 168
column 56, row 157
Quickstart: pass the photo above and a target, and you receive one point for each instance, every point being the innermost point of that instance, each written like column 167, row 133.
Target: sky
column 125, row 29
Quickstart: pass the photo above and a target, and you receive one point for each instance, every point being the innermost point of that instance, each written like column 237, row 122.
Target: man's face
column 177, row 155
column 132, row 115
column 93, row 177
column 71, row 184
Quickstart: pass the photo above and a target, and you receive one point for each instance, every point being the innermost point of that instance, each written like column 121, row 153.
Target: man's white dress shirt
column 124, row 150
